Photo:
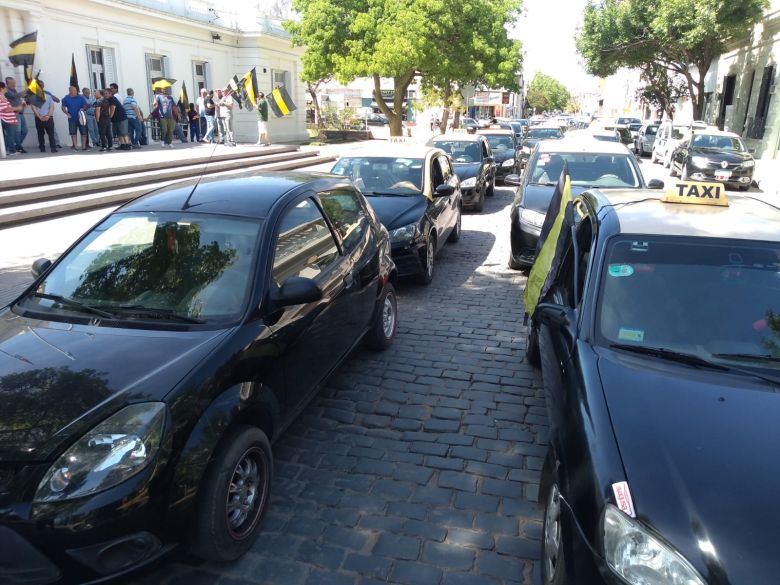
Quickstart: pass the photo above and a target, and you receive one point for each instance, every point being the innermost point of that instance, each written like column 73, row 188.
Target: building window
column 199, row 74
column 102, row 67
column 280, row 77
column 758, row 124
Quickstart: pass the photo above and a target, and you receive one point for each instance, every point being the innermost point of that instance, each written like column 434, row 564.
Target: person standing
column 103, row 119
column 201, row 109
column 44, row 121
column 163, row 107
column 220, row 118
column 92, row 125
column 8, row 121
column 134, row 118
column 211, row 110
column 119, row 120
column 72, row 105
column 262, row 120
column 16, row 101
column 194, row 119
column 227, row 116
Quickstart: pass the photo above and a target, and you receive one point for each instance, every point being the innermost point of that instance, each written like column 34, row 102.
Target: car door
column 488, row 169
column 438, row 207
column 311, row 337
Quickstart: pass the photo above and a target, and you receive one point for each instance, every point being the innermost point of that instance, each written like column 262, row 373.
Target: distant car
column 469, row 124
column 667, row 139
column 591, row 164
column 474, row 164
column 645, row 138
column 623, row 132
column 534, row 135
column 377, row 120
column 416, row 195
column 594, row 133
column 634, row 127
column 714, row 156
column 624, row 121
column 517, row 129
column 145, row 373
column 484, row 122
column 504, row 146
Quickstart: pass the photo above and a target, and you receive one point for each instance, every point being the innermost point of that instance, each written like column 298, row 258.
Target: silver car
column 643, row 143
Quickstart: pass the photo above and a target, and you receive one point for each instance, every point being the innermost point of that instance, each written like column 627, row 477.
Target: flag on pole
column 234, row 91
column 184, row 100
column 281, row 103
column 35, row 96
column 250, row 87
column 74, row 77
column 28, row 76
column 22, row 51
column 555, row 234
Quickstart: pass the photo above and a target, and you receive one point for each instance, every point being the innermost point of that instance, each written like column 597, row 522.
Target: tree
column 683, row 36
column 662, row 90
column 547, row 94
column 403, row 39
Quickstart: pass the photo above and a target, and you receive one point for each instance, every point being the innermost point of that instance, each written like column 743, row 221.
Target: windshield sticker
column 627, row 334
column 621, row 270
column 623, row 498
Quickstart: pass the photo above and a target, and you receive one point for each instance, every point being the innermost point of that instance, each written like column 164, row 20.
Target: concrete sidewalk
column 767, row 176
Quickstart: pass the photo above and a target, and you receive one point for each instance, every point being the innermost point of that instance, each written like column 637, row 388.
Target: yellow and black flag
column 235, row 91
column 281, row 103
column 184, row 100
column 74, row 77
column 35, row 96
column 22, row 51
column 250, row 87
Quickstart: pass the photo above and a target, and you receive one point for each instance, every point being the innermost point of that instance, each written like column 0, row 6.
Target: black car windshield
column 716, row 298
column 586, row 170
column 717, row 142
column 500, row 141
column 678, row 132
column 544, row 133
column 383, row 175
column 175, row 266
column 461, row 151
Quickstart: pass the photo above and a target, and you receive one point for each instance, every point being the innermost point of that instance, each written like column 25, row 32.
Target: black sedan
column 416, row 196
column 505, row 149
column 662, row 407
column 534, row 135
column 710, row 155
column 474, row 164
column 145, row 374
column 591, row 163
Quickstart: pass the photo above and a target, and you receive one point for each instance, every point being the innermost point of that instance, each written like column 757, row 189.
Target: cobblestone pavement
column 419, row 464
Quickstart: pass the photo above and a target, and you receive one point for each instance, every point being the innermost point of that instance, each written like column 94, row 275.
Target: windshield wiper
column 73, row 304
column 387, row 194
column 157, row 312
column 748, row 356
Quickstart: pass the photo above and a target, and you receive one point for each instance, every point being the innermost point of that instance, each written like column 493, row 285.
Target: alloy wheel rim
column 247, row 492
column 552, row 534
column 388, row 316
column 457, row 226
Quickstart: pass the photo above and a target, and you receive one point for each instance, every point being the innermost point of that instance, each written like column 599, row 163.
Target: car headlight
column 639, row 557
column 508, row 163
column 531, row 217
column 748, row 164
column 114, row 451
column 469, row 183
column 405, row 233
column 700, row 161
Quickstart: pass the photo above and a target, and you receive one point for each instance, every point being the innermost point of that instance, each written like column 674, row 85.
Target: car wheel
column 684, row 173
column 385, row 324
column 234, row 495
column 532, row 346
column 553, row 562
column 514, row 264
column 641, row 150
column 455, row 233
column 480, row 204
column 744, row 187
column 428, row 253
column 491, row 190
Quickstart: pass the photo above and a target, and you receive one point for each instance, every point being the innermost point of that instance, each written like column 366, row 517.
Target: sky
column 547, row 30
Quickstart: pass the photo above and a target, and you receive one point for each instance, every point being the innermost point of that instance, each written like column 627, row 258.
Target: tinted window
column 544, row 133
column 719, row 142
column 678, row 132
column 587, row 170
column 651, row 130
column 500, row 142
column 461, row 151
column 304, row 245
column 346, row 213
column 383, row 175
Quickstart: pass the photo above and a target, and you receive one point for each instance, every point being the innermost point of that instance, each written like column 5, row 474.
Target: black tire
column 480, row 205
column 514, row 264
column 219, row 534
column 684, row 173
column 532, row 346
column 491, row 190
column 554, row 567
column 380, row 336
column 455, row 233
column 425, row 277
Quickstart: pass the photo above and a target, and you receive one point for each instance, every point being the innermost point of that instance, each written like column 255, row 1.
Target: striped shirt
column 7, row 115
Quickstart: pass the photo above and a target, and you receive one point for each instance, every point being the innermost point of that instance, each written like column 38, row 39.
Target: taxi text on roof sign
column 696, row 193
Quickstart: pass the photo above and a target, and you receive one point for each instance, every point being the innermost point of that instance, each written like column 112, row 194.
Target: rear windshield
column 718, row 142
column 544, row 133
column 651, row 130
column 586, row 170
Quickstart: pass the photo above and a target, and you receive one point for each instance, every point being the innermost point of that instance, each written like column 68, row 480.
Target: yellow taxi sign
column 696, row 193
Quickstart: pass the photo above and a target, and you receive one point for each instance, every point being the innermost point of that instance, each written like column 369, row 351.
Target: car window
column 586, row 170
column 446, row 168
column 485, row 149
column 719, row 142
column 347, row 214
column 437, row 176
column 500, row 142
column 383, row 175
column 651, row 130
column 461, row 151
column 304, row 244
column 544, row 133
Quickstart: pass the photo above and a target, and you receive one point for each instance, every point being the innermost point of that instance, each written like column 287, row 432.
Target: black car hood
column 467, row 170
column 699, row 449
column 537, row 197
column 395, row 212
column 57, row 380
column 718, row 155
column 502, row 155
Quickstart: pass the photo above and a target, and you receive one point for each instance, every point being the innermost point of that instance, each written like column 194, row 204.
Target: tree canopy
column 547, row 94
column 683, row 36
column 401, row 39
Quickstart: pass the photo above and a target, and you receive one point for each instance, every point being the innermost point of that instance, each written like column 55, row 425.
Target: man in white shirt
column 226, row 107
column 200, row 104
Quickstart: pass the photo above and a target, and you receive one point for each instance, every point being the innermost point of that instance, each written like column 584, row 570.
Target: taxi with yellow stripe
column 659, row 345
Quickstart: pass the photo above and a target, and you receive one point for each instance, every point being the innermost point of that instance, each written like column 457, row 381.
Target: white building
column 131, row 41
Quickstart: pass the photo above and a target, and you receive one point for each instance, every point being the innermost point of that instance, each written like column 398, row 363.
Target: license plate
column 722, row 175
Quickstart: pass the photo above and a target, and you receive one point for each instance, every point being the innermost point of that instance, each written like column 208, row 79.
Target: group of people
column 100, row 119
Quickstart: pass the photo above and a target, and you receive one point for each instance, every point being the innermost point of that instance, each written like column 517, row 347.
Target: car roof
column 643, row 212
column 583, row 143
column 251, row 194
column 458, row 137
column 490, row 131
column 547, row 126
column 394, row 150
column 714, row 132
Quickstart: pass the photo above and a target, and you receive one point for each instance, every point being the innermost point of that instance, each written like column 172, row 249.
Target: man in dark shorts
column 119, row 119
column 72, row 105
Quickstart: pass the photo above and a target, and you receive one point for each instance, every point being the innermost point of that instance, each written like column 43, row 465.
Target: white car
column 668, row 138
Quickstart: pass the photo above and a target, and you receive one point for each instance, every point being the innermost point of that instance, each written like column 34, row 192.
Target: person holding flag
column 225, row 105
column 262, row 121
column 22, row 54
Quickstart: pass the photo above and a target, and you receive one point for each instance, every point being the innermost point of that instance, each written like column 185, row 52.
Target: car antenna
column 195, row 186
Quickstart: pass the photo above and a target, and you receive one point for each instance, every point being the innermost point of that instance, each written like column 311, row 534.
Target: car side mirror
column 40, row 266
column 513, row 179
column 655, row 184
column 297, row 290
column 554, row 315
column 444, row 190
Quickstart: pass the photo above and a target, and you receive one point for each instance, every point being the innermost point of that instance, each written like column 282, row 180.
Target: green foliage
column 547, row 94
column 662, row 89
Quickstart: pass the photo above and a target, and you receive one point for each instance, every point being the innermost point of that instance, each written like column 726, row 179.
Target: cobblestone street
column 419, row 465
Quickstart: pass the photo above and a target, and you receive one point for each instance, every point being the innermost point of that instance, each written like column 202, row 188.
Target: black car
column 416, row 196
column 505, row 149
column 714, row 156
column 591, row 163
column 534, row 135
column 662, row 406
column 469, row 124
column 377, row 120
column 145, row 374
column 474, row 164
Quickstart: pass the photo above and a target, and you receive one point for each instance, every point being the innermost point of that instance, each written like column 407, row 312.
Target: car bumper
column 524, row 238
column 470, row 196
column 408, row 258
column 738, row 176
